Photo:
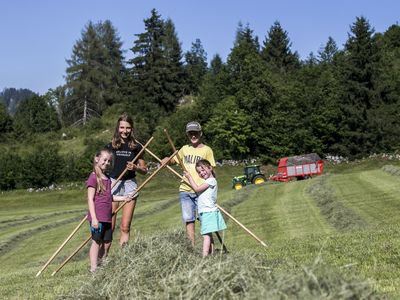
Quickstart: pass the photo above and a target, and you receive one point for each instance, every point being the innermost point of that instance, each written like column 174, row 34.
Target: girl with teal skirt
column 210, row 217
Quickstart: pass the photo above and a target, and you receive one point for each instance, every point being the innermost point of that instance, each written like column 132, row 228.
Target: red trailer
column 301, row 167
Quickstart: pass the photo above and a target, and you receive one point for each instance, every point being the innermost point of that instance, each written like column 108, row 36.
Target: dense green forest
column 263, row 101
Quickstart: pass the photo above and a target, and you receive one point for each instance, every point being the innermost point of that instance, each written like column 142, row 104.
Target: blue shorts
column 103, row 233
column 123, row 187
column 211, row 222
column 188, row 206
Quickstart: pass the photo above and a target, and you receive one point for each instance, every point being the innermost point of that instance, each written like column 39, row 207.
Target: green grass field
column 346, row 220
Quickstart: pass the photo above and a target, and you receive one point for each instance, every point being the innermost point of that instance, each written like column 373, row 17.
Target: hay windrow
column 392, row 170
column 339, row 216
column 241, row 196
column 166, row 267
column 31, row 219
column 12, row 242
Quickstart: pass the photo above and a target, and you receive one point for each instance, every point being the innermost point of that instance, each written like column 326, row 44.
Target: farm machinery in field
column 300, row 167
column 252, row 175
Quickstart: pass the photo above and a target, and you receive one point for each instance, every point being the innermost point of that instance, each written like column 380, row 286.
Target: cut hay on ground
column 166, row 267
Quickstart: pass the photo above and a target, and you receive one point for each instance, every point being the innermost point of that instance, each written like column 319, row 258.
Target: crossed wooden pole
column 138, row 189
column 165, row 164
column 84, row 219
column 184, row 169
column 220, row 208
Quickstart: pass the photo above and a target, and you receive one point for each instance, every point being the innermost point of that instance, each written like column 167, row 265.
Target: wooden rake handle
column 138, row 189
column 84, row 219
column 174, row 149
column 220, row 208
column 167, row 166
column 133, row 160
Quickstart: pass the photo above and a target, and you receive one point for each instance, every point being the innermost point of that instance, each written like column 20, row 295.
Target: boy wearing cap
column 189, row 155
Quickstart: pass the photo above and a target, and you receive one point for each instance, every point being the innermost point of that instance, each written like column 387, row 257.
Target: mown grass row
column 393, row 170
column 373, row 195
column 4, row 224
column 10, row 243
column 305, row 250
column 338, row 215
column 142, row 271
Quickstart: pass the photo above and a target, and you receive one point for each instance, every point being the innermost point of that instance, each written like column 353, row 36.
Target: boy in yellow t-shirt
column 189, row 155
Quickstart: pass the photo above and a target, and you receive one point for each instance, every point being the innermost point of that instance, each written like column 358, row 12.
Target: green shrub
column 10, row 170
column 41, row 167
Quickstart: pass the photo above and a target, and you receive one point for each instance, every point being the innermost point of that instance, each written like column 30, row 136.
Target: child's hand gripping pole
column 137, row 190
column 174, row 149
column 187, row 174
column 144, row 147
column 133, row 160
column 220, row 208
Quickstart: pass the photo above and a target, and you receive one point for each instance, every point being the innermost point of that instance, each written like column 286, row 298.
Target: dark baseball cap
column 193, row 126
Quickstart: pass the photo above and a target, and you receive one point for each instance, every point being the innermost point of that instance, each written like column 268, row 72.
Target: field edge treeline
column 262, row 102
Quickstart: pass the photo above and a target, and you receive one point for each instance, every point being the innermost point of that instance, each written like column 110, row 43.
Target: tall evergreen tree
column 157, row 72
column 252, row 85
column 93, row 73
column 215, row 87
column 317, row 108
column 114, row 61
column 196, row 66
column 276, row 49
column 216, row 64
column 326, row 54
column 5, row 120
column 359, row 66
column 174, row 77
column 384, row 116
column 245, row 46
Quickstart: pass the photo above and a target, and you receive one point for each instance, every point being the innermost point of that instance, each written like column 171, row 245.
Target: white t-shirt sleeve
column 212, row 182
column 207, row 199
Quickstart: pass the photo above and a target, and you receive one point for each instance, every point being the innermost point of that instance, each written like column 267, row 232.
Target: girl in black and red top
column 125, row 149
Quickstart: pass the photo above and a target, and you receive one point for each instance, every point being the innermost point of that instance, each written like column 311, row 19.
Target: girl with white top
column 210, row 217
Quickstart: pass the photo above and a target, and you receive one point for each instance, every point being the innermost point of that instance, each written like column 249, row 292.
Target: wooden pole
column 62, row 246
column 84, row 219
column 167, row 166
column 133, row 160
column 242, row 226
column 184, row 169
column 223, row 210
column 72, row 255
column 137, row 190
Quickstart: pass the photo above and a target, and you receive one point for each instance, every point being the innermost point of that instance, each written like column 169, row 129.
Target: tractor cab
column 252, row 175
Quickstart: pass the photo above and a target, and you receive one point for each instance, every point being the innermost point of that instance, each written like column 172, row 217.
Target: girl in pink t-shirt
column 100, row 207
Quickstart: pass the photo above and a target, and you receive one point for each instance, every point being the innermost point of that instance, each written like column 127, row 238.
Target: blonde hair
column 205, row 163
column 100, row 187
column 117, row 141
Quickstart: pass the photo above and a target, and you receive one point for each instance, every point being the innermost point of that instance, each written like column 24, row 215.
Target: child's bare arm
column 124, row 198
column 91, row 192
column 195, row 187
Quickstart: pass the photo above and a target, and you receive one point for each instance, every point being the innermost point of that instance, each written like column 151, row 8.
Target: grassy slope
column 284, row 215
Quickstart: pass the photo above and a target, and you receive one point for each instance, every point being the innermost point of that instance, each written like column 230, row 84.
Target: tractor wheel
column 238, row 186
column 258, row 179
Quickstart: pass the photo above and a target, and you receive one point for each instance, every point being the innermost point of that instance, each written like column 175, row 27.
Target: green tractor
column 252, row 175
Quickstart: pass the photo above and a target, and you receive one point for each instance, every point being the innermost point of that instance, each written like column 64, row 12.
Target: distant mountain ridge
column 12, row 97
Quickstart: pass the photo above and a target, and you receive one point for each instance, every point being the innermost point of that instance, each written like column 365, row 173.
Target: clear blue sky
column 37, row 36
